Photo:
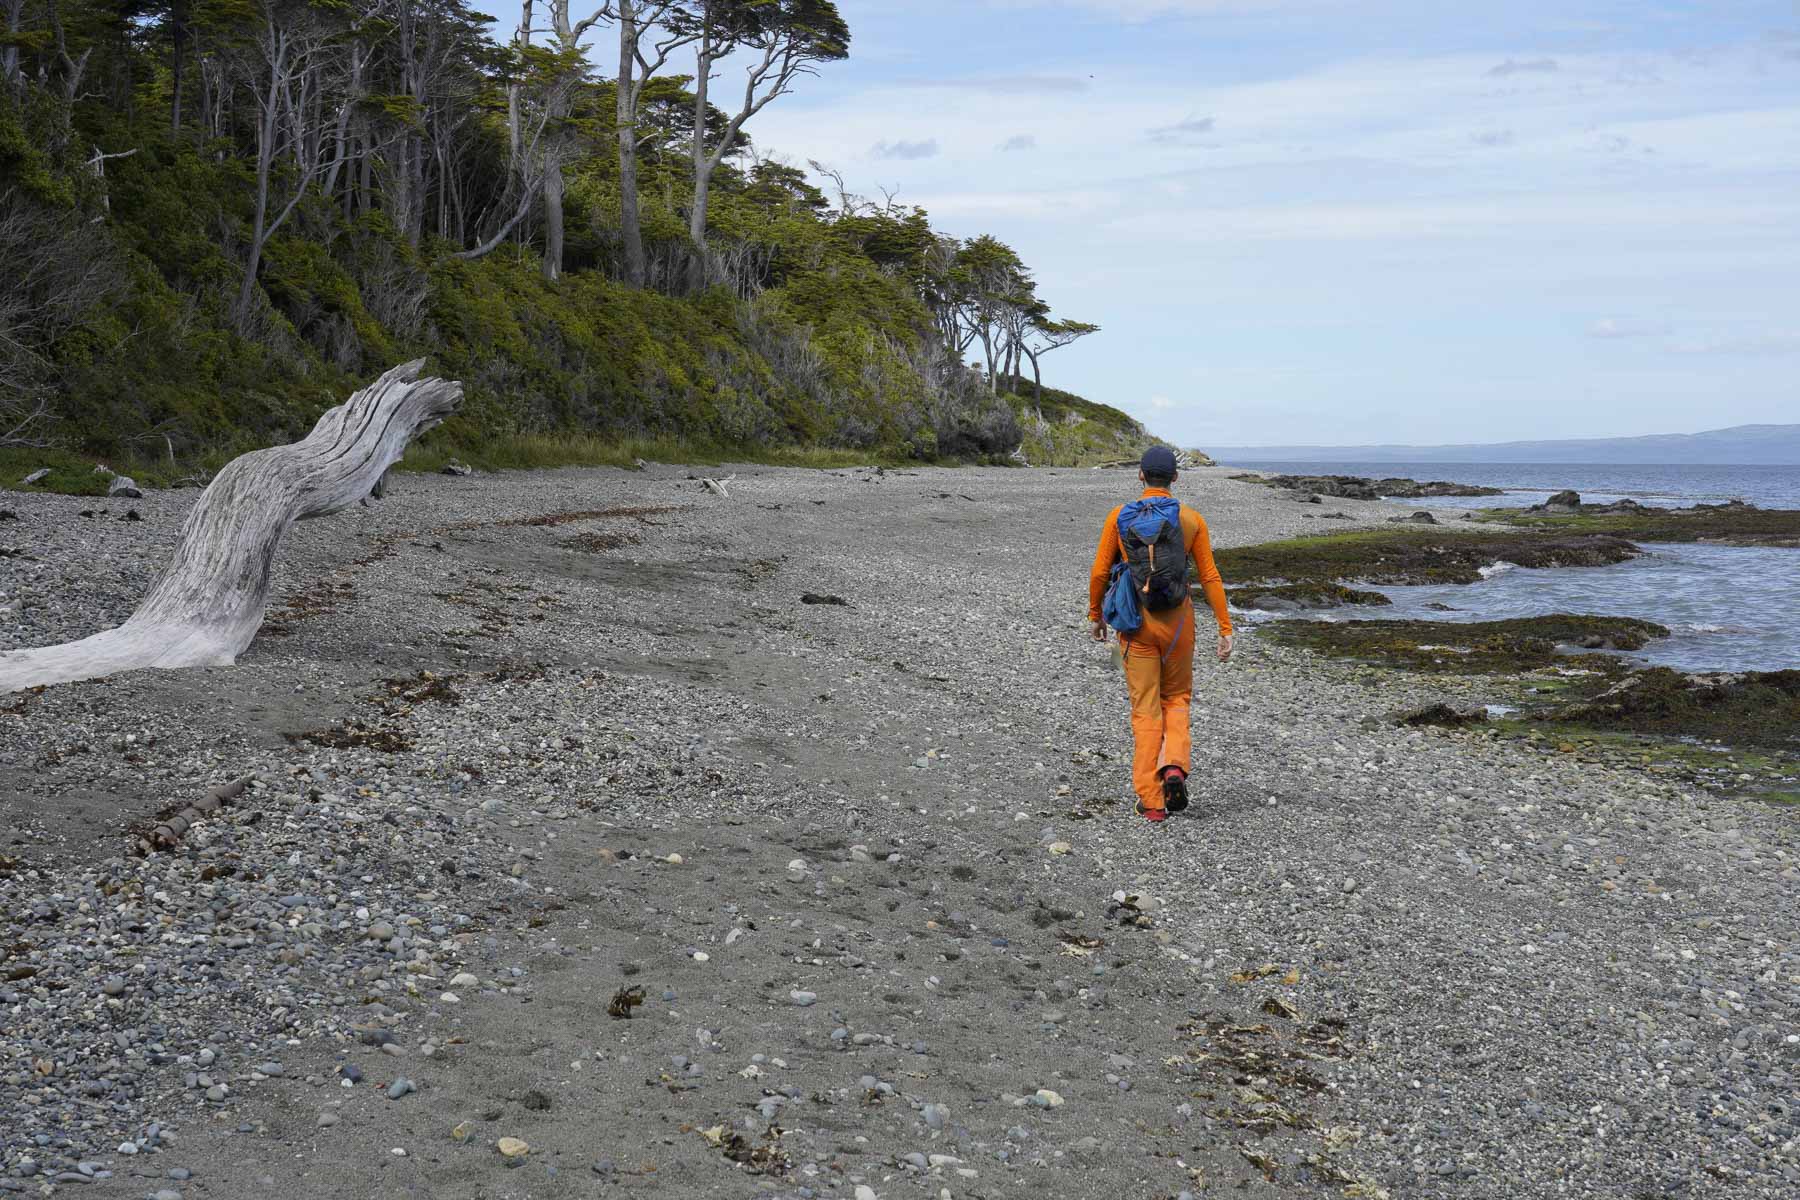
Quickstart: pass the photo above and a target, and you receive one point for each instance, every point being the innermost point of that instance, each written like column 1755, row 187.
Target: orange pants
column 1159, row 675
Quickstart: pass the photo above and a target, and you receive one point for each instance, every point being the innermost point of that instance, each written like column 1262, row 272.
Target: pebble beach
column 607, row 835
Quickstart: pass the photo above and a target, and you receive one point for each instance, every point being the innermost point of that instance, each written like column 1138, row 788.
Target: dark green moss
column 1769, row 775
column 1412, row 555
column 1474, row 648
column 1285, row 597
column 1731, row 524
column 1751, row 710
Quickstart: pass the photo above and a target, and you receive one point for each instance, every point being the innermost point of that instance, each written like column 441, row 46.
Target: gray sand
column 888, row 960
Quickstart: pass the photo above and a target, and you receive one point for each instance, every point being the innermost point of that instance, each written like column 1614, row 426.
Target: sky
column 1342, row 222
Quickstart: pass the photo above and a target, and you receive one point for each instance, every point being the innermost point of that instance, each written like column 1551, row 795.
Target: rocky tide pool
column 1728, row 608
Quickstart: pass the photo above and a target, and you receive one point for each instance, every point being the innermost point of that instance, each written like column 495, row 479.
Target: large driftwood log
column 208, row 602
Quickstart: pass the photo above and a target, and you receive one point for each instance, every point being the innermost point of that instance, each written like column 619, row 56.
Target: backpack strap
column 1180, row 629
column 1186, row 610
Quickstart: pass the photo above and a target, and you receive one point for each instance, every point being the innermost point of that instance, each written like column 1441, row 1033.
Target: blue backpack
column 1150, row 537
column 1120, row 607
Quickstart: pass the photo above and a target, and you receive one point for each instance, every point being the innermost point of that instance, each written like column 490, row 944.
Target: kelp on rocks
column 1472, row 648
column 1756, row 709
column 1292, row 597
column 1723, row 524
column 1412, row 556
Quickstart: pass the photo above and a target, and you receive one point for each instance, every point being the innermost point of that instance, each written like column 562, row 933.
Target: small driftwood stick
column 169, row 831
column 207, row 604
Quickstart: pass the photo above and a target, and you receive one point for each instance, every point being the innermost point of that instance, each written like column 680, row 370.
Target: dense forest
column 219, row 216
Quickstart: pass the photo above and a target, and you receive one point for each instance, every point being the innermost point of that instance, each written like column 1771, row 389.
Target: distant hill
column 1741, row 445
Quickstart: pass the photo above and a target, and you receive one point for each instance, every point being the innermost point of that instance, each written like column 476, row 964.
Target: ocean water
column 1729, row 608
column 1673, row 486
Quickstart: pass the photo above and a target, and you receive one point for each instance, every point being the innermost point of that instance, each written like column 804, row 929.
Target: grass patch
column 74, row 475
column 1414, row 555
column 1066, row 430
column 526, row 452
column 1473, row 648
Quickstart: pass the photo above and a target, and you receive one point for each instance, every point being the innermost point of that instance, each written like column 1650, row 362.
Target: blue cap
column 1158, row 460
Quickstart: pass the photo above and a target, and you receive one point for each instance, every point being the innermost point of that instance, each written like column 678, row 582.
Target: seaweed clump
column 1472, row 648
column 1413, row 555
column 1724, row 524
column 1298, row 597
column 355, row 735
column 1758, row 709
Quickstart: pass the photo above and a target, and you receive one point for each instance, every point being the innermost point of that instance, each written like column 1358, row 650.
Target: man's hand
column 1224, row 647
column 1098, row 631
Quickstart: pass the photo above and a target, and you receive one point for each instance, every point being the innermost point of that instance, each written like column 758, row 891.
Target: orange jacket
column 1199, row 545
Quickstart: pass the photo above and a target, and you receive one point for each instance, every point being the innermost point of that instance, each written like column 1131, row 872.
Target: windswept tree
column 650, row 32
column 1041, row 336
column 981, row 291
column 432, row 51
column 290, row 59
column 567, row 31
column 783, row 40
column 58, row 268
column 540, row 81
column 990, row 288
column 244, row 197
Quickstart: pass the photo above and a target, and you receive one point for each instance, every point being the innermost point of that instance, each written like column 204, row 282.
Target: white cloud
column 1514, row 66
column 1490, row 217
column 1411, row 119
column 1612, row 328
column 1445, row 231
column 905, row 151
column 1019, row 141
column 1183, row 130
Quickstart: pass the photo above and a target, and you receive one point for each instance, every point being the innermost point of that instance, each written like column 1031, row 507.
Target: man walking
column 1159, row 654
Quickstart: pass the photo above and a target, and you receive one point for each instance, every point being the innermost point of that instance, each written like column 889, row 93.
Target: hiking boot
column 1174, row 788
column 1151, row 814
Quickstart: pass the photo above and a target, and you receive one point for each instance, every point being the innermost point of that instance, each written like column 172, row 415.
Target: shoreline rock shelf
column 1732, row 523
column 1413, row 555
column 1357, row 487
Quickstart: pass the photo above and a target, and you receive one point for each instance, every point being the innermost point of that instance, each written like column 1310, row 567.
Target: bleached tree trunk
column 178, row 21
column 630, row 229
column 553, row 203
column 207, row 604
column 703, row 67
column 9, row 56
